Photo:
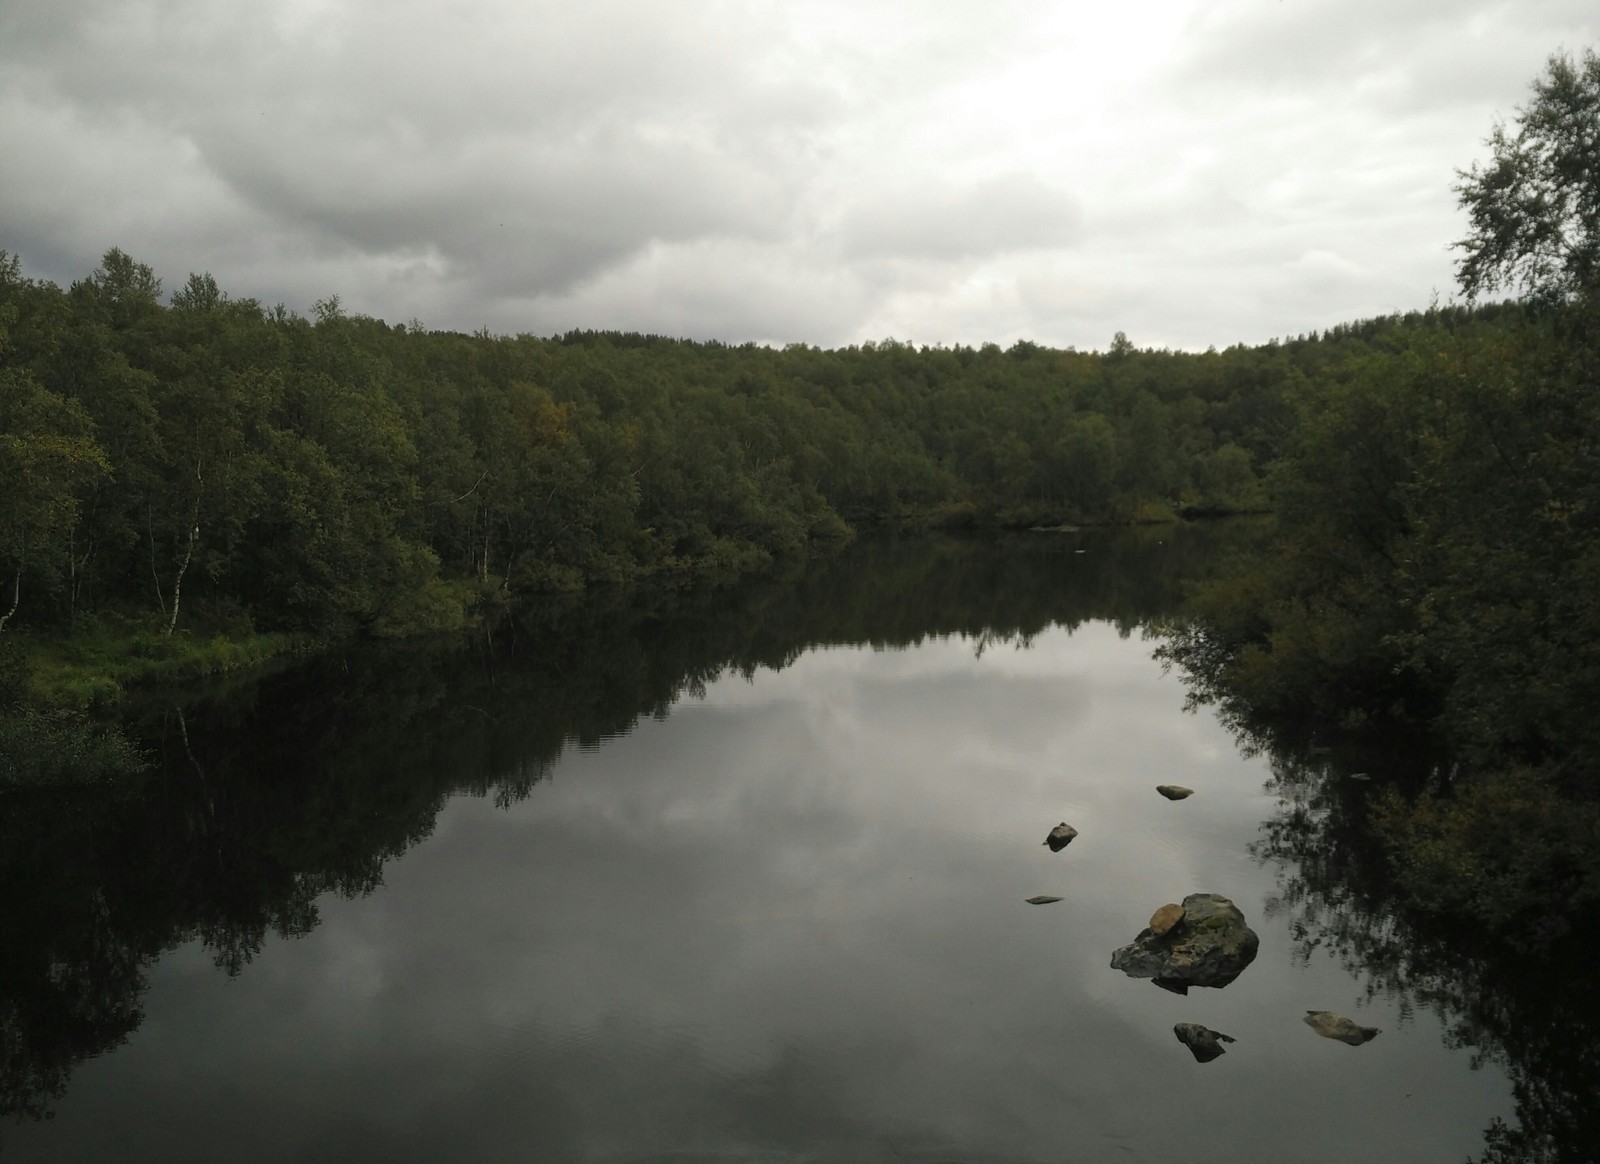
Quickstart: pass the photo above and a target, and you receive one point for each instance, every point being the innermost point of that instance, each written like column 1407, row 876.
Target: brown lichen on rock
column 1165, row 918
column 1336, row 1026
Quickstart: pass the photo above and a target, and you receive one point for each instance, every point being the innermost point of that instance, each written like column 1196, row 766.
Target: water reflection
column 1532, row 1012
column 788, row 921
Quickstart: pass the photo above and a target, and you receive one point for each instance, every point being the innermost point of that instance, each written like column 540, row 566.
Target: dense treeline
column 1439, row 557
column 215, row 464
column 1435, row 570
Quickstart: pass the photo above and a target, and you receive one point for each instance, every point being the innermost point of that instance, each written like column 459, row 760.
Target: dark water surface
column 725, row 877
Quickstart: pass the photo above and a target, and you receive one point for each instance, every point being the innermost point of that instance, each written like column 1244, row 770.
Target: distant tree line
column 209, row 462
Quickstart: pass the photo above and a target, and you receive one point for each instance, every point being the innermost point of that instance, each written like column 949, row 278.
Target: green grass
column 105, row 656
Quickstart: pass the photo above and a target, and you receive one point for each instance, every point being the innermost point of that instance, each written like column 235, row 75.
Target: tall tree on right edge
column 1534, row 210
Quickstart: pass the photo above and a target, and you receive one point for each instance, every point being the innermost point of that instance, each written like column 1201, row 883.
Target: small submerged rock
column 1042, row 899
column 1203, row 1042
column 1165, row 918
column 1209, row 946
column 1174, row 791
column 1336, row 1026
column 1060, row 837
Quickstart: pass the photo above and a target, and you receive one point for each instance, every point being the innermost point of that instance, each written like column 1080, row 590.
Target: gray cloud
column 825, row 173
column 1015, row 212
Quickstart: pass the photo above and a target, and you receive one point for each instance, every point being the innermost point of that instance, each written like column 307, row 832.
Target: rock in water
column 1060, row 837
column 1203, row 1042
column 1211, row 946
column 1336, row 1026
column 1165, row 918
column 1042, row 899
column 1174, row 791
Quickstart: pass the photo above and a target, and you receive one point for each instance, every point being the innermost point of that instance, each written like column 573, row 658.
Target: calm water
column 737, row 877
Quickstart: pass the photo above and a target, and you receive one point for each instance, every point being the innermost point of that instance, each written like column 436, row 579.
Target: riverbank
column 107, row 655
column 94, row 667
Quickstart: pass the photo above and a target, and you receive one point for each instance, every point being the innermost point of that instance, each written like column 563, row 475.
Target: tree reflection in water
column 1533, row 1011
column 274, row 791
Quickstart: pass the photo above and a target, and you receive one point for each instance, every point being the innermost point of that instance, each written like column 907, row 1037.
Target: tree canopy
column 1534, row 210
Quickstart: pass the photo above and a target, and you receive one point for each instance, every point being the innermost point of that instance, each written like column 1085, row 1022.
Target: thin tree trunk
column 150, row 528
column 488, row 526
column 177, row 583
column 76, row 566
column 188, row 553
column 16, row 597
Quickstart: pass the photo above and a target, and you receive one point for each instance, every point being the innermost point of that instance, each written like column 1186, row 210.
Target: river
column 730, row 875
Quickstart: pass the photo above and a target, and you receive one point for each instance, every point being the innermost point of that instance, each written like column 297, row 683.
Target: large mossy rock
column 1210, row 946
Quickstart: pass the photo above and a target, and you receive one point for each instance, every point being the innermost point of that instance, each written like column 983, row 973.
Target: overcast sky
column 1192, row 172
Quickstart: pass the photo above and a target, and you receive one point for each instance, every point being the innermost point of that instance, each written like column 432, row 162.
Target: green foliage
column 1534, row 211
column 53, row 746
column 1505, row 853
column 48, row 461
column 1439, row 545
column 57, row 747
column 1439, row 511
column 108, row 655
column 214, row 467
column 334, row 475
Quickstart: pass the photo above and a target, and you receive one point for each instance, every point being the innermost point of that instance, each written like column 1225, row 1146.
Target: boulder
column 1060, row 837
column 1210, row 946
column 1042, row 899
column 1174, row 791
column 1336, row 1026
column 1203, row 1042
column 1165, row 918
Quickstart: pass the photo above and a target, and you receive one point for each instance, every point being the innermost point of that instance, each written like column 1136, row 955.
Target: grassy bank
column 93, row 667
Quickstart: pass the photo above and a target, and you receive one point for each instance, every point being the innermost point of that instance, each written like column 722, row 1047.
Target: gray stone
column 1210, row 946
column 1060, row 837
column 1203, row 1042
column 1335, row 1026
column 1174, row 791
column 1042, row 899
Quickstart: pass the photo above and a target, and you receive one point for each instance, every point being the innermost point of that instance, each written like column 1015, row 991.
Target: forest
column 211, row 465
